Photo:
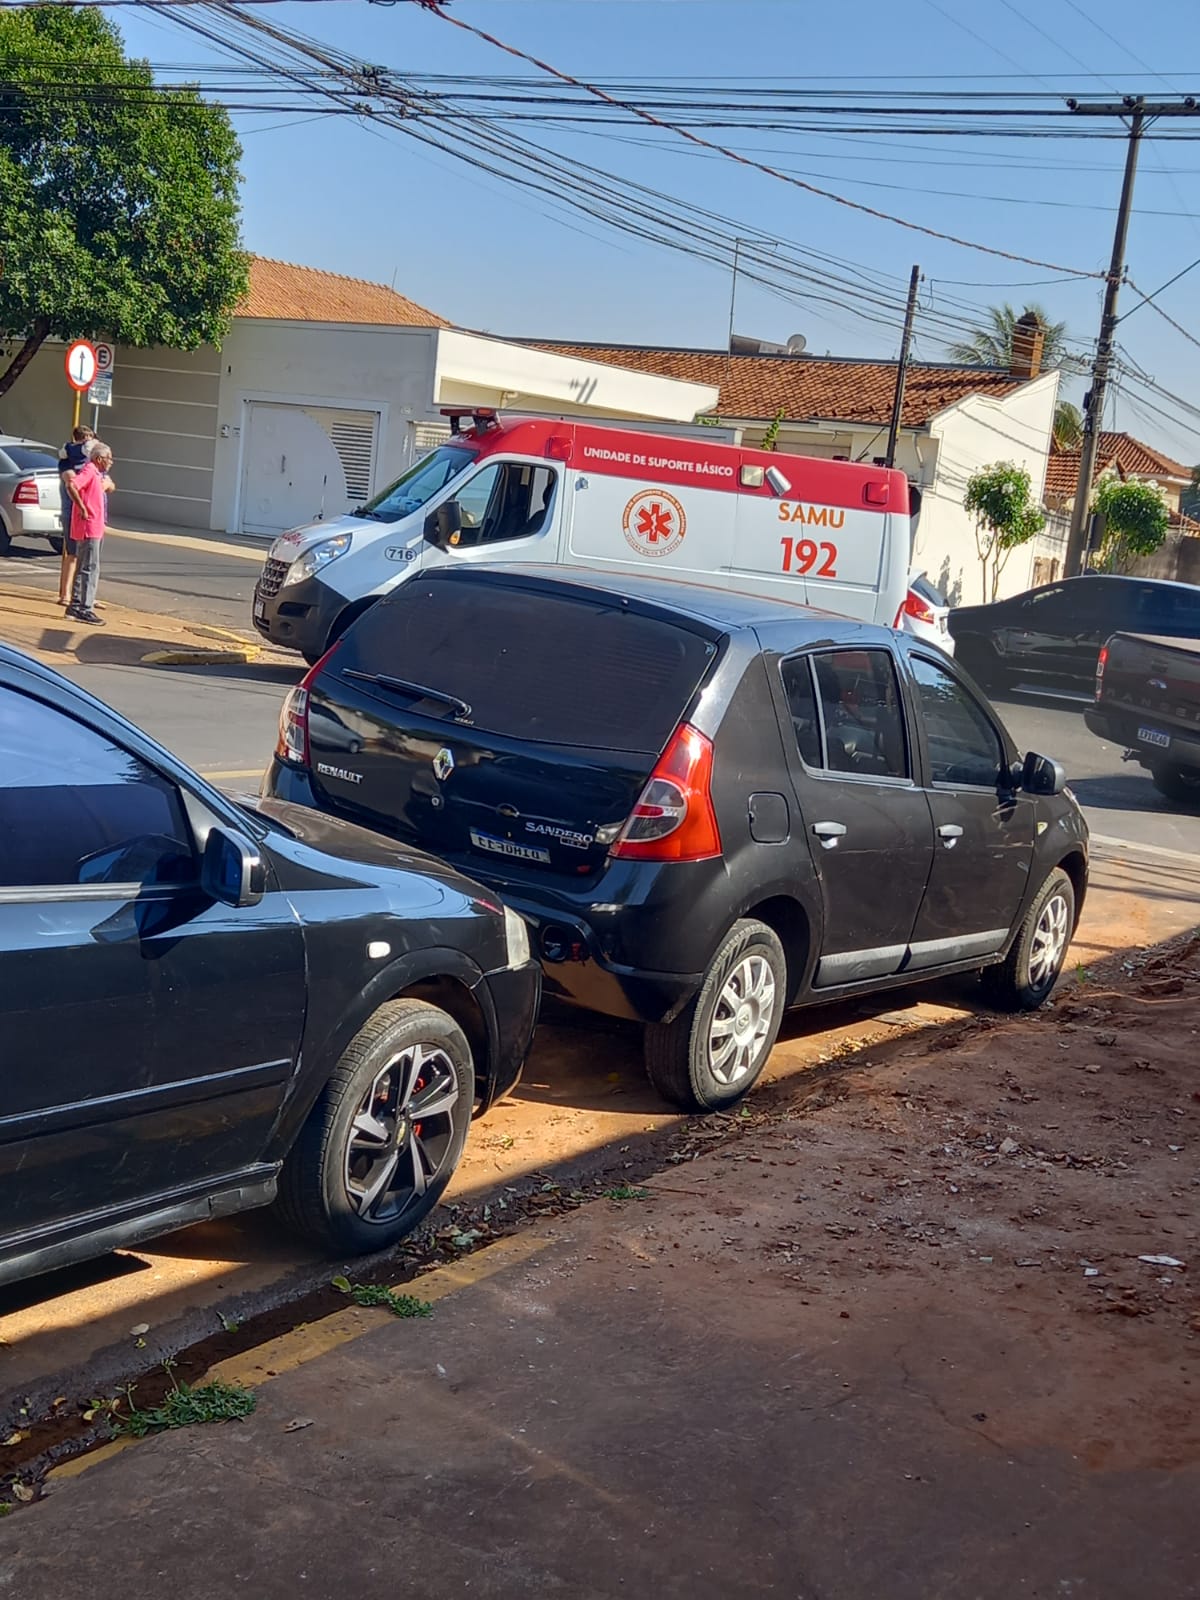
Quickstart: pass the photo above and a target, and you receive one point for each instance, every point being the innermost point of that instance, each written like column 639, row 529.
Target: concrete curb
column 199, row 658
column 206, row 630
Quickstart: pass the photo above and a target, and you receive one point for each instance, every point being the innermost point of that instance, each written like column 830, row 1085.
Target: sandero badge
column 443, row 764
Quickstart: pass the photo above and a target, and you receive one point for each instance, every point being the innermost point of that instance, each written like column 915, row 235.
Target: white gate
column 304, row 464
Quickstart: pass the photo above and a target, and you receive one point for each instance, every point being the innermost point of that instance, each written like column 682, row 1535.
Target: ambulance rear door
column 819, row 543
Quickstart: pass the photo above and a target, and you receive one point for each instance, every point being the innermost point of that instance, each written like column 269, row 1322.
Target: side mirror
column 232, row 871
column 444, row 525
column 1043, row 776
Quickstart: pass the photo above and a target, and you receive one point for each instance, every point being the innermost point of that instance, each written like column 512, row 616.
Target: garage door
column 305, row 464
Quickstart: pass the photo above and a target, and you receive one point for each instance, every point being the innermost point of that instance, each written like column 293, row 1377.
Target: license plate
column 260, row 610
column 944, row 624
column 505, row 847
column 1160, row 741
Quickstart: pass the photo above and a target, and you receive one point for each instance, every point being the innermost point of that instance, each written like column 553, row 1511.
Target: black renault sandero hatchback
column 708, row 806
column 206, row 1003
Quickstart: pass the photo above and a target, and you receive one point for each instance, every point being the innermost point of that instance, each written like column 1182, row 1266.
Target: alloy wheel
column 741, row 1020
column 402, row 1134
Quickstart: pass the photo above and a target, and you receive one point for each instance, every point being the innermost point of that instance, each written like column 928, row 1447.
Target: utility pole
column 1138, row 113
column 737, row 258
column 910, row 312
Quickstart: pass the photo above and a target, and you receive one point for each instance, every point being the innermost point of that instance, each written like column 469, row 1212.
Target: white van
column 834, row 534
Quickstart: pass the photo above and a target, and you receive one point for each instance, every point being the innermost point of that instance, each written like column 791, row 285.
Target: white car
column 30, row 492
column 926, row 614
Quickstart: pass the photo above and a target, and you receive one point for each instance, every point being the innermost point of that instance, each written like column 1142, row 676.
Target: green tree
column 1067, row 430
column 991, row 345
column 118, row 199
column 1135, row 521
column 998, row 497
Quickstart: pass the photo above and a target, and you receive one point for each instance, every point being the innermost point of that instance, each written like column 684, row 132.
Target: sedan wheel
column 1024, row 979
column 714, row 1050
column 741, row 1020
column 402, row 1133
column 382, row 1142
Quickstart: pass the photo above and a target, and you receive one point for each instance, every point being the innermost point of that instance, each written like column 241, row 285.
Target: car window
column 31, row 457
column 76, row 809
column 964, row 748
column 539, row 668
column 1045, row 600
column 507, row 500
column 802, row 703
column 861, row 717
column 922, row 586
column 419, row 484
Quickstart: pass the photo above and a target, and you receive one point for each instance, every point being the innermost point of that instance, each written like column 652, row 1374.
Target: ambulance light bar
column 484, row 418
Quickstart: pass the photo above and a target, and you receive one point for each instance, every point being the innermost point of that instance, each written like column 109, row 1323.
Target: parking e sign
column 106, row 358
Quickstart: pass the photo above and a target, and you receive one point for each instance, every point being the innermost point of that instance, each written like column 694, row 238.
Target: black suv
column 708, row 806
column 257, row 996
column 1052, row 636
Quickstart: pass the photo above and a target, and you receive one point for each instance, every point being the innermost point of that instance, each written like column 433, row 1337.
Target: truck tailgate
column 1156, row 679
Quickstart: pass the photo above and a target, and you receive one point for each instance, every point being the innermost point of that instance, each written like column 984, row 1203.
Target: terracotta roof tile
column 278, row 289
column 757, row 387
column 1116, row 449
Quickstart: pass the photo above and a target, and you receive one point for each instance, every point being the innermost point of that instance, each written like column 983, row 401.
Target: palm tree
column 991, row 345
column 1067, row 431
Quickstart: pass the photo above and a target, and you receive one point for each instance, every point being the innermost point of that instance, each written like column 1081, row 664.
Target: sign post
column 81, row 369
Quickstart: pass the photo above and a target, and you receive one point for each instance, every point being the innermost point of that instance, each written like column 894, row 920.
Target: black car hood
column 348, row 843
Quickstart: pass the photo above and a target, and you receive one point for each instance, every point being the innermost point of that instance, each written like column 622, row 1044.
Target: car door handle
column 950, row 833
column 829, row 833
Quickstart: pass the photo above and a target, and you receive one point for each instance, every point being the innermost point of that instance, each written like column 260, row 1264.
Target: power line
column 436, row 10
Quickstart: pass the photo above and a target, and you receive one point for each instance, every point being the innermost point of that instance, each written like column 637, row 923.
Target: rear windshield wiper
column 385, row 681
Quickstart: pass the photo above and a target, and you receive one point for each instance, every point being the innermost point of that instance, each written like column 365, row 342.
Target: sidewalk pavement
column 32, row 620
column 849, row 1350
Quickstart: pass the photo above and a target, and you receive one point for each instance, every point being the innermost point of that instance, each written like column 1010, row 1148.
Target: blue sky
column 332, row 193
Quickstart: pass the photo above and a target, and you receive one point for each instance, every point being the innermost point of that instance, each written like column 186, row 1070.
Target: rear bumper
column 300, row 616
column 1121, row 727
column 574, row 936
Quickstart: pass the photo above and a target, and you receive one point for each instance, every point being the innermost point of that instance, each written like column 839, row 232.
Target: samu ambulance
column 833, row 534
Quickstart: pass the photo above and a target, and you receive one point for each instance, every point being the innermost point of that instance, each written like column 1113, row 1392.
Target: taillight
column 918, row 609
column 26, row 493
column 674, row 818
column 1101, row 663
column 292, row 744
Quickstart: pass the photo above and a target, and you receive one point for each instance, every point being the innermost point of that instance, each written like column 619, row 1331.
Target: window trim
column 808, row 654
column 947, row 666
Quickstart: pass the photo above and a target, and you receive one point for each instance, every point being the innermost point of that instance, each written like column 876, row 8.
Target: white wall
column 388, row 370
column 974, row 433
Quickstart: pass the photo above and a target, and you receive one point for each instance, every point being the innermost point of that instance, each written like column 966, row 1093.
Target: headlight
column 311, row 562
column 516, row 935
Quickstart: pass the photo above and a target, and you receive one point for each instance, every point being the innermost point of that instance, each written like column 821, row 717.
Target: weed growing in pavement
column 1082, row 974
column 625, row 1191
column 182, row 1406
column 376, row 1294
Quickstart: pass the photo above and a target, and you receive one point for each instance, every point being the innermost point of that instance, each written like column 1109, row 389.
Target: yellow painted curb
column 201, row 658
column 207, row 630
column 253, row 1368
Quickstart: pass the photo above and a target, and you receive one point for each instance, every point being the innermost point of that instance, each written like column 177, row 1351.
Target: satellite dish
column 797, row 344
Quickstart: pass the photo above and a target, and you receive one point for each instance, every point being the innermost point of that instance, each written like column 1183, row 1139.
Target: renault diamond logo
column 443, row 764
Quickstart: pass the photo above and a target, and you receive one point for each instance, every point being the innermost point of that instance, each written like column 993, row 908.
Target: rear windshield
column 31, row 457
column 546, row 669
column 922, row 586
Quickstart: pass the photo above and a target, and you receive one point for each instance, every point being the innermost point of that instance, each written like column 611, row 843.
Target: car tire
column 1024, row 979
column 55, row 541
column 335, row 1186
column 1175, row 783
column 5, row 539
column 703, row 1061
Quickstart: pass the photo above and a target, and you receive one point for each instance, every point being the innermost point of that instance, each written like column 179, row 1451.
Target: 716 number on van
column 802, row 556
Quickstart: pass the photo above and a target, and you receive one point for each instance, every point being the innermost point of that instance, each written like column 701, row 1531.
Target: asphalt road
column 223, row 719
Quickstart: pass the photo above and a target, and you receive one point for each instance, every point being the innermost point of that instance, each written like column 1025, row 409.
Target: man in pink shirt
column 87, row 486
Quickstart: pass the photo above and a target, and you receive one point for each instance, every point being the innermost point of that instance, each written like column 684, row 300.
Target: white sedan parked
column 30, row 495
column 925, row 613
